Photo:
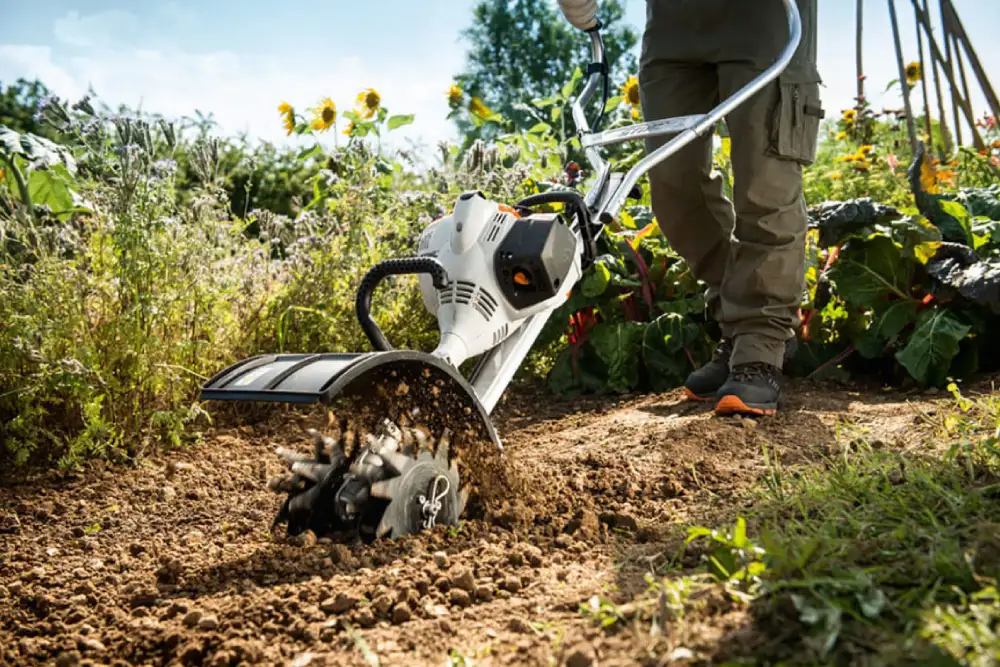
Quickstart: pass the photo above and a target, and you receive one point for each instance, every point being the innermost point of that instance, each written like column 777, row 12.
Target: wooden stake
column 858, row 48
column 955, row 91
column 903, row 85
column 977, row 67
column 950, row 71
column 945, row 134
column 923, row 85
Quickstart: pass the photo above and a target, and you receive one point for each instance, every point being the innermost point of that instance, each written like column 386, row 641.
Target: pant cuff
column 748, row 349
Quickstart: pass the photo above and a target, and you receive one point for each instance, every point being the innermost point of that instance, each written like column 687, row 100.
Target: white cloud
column 241, row 91
column 95, row 30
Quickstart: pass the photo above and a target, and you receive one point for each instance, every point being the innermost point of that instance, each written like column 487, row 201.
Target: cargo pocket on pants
column 795, row 121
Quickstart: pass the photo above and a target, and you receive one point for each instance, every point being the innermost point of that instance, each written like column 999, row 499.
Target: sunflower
column 454, row 96
column 913, row 72
column 286, row 110
column 866, row 150
column 349, row 130
column 850, row 115
column 476, row 107
column 929, row 177
column 369, row 100
column 841, row 136
column 326, row 115
column 630, row 89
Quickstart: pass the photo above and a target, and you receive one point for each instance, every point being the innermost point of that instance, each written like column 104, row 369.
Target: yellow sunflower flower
column 454, row 94
column 476, row 107
column 866, row 150
column 850, row 115
column 630, row 89
column 929, row 177
column 841, row 136
column 349, row 130
column 369, row 100
column 913, row 72
column 286, row 110
column 326, row 114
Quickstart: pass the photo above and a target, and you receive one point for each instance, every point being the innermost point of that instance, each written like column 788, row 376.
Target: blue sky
column 239, row 60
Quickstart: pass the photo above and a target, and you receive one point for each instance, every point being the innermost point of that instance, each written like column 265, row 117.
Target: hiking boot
column 703, row 383
column 752, row 389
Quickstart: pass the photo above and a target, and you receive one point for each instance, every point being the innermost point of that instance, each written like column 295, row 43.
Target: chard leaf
column 869, row 271
column 837, row 221
column 931, row 347
column 663, row 349
column 618, row 346
column 959, row 272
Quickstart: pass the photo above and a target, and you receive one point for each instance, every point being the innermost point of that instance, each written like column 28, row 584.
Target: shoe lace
column 753, row 371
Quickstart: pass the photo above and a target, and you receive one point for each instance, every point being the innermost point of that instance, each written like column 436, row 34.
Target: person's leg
column 687, row 196
column 773, row 136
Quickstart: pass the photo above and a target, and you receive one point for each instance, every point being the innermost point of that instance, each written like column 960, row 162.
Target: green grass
column 878, row 557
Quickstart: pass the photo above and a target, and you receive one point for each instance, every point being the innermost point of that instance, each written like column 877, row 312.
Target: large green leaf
column 887, row 325
column 984, row 202
column 917, row 236
column 869, row 271
column 588, row 374
column 933, row 344
column 597, row 280
column 618, row 346
column 50, row 187
column 663, row 350
column 959, row 273
column 399, row 120
column 38, row 151
column 837, row 221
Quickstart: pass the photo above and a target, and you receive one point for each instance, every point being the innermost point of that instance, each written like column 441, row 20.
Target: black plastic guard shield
column 376, row 378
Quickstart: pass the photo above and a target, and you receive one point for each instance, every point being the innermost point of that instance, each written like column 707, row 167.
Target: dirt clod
column 208, row 623
column 460, row 598
column 338, row 604
column 464, row 580
column 581, row 655
column 400, row 614
column 511, row 583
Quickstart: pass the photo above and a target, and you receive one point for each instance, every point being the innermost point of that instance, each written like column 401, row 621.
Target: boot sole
column 732, row 405
column 697, row 397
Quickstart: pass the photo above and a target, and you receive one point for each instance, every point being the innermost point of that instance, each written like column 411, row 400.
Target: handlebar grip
column 385, row 268
column 581, row 13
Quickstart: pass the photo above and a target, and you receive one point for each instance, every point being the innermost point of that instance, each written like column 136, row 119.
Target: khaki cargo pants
column 749, row 252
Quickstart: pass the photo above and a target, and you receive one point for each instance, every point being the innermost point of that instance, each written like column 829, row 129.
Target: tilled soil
column 173, row 561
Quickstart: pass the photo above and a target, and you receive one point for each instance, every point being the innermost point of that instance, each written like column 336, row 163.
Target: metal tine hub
column 401, row 463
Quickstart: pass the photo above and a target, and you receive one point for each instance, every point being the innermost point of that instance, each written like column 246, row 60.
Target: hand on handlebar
column 581, row 13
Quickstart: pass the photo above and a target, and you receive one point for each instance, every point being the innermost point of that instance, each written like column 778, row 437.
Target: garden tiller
column 414, row 440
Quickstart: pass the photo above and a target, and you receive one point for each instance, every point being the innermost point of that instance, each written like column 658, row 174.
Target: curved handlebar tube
column 375, row 275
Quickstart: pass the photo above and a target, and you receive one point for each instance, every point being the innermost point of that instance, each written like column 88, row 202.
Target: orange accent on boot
column 695, row 397
column 730, row 405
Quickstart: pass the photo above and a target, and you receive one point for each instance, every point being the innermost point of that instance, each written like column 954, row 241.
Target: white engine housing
column 475, row 312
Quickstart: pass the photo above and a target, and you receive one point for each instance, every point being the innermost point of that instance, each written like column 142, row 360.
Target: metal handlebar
column 697, row 127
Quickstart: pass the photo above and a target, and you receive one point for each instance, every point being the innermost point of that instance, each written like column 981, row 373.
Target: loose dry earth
column 173, row 562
